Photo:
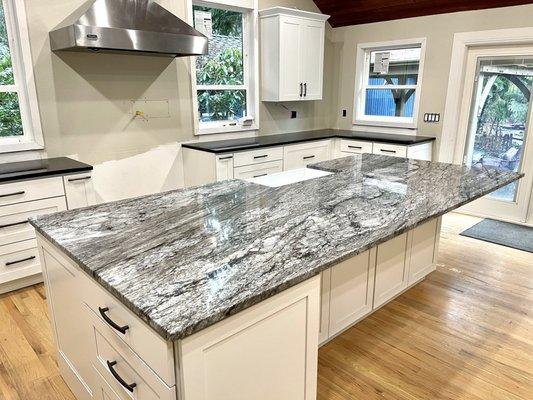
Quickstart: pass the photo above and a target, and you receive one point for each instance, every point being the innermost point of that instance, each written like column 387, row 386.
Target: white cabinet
column 292, row 52
column 388, row 149
column 300, row 155
column 224, row 167
column 352, row 288
column 79, row 190
column 255, row 171
column 423, row 245
column 391, row 271
column 325, row 286
column 269, row 351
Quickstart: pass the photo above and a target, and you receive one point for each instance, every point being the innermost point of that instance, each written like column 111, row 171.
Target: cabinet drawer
column 79, row 190
column 354, row 146
column 150, row 347
column 300, row 155
column 255, row 171
column 123, row 371
column 14, row 226
column 257, row 156
column 19, row 260
column 390, row 149
column 17, row 192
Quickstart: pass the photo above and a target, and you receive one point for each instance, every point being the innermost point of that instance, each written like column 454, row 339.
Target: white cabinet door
column 224, row 167
column 352, row 286
column 79, row 190
column 291, row 84
column 325, row 285
column 312, row 58
column 72, row 331
column 391, row 274
column 300, row 155
column 423, row 247
column 269, row 351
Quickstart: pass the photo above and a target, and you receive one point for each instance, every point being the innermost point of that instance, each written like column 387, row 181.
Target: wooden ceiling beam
column 355, row 12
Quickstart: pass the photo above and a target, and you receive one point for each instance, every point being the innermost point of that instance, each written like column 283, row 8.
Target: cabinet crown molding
column 274, row 11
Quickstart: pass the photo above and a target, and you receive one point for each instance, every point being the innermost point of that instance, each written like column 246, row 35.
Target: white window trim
column 17, row 28
column 251, row 67
column 361, row 68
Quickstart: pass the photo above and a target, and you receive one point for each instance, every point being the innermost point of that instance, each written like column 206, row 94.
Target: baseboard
column 21, row 283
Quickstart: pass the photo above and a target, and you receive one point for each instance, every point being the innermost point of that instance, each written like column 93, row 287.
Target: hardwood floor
column 466, row 332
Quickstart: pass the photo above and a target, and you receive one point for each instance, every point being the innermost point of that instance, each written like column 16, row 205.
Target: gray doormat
column 503, row 233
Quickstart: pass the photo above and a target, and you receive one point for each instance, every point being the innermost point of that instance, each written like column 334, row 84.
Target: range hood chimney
column 127, row 26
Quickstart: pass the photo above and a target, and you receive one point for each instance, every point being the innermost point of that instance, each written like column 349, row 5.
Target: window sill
column 14, row 147
column 226, row 129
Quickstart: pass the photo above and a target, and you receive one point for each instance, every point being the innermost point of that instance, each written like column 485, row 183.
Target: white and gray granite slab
column 186, row 259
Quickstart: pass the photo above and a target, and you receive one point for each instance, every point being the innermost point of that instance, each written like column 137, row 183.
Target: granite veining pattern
column 186, row 259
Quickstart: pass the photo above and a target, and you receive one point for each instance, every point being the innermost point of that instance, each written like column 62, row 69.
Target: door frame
column 500, row 209
column 462, row 44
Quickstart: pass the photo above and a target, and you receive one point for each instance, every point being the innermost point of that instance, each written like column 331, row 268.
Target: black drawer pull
column 14, row 224
column 121, row 329
column 225, row 158
column 305, row 89
column 79, row 179
column 308, row 157
column 355, row 147
column 257, row 176
column 301, row 89
column 19, row 261
column 388, row 151
column 13, row 194
column 127, row 386
column 263, row 156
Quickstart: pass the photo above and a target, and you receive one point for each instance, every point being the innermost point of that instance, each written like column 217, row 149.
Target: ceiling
column 354, row 12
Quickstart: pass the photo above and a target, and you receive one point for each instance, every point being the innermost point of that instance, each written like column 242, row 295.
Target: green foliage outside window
column 10, row 119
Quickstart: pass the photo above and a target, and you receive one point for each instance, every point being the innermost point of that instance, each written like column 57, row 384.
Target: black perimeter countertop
column 20, row 170
column 257, row 142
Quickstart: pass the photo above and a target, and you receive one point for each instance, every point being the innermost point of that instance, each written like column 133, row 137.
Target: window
column 223, row 77
column 19, row 118
column 388, row 83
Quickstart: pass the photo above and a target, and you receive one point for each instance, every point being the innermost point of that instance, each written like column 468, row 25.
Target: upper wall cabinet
column 292, row 54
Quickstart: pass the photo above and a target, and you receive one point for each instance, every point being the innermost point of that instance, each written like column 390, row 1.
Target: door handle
column 257, row 176
column 19, row 261
column 263, row 156
column 308, row 157
column 305, row 89
column 84, row 178
column 13, row 194
column 355, row 147
column 14, row 224
column 301, row 89
column 127, row 386
column 113, row 324
column 388, row 151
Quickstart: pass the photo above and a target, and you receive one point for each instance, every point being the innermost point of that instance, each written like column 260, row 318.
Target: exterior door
column 496, row 120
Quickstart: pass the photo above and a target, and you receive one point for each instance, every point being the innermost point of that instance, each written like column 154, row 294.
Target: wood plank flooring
column 466, row 332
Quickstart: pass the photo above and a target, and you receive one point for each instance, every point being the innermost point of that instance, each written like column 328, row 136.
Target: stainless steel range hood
column 131, row 26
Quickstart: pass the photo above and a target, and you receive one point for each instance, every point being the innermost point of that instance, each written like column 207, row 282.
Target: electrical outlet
column 294, row 114
column 344, row 113
column 431, row 117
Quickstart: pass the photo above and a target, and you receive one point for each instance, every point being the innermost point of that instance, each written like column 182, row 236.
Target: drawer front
column 19, row 260
column 301, row 155
column 125, row 373
column 390, row 150
column 150, row 347
column 18, row 192
column 255, row 171
column 356, row 147
column 79, row 190
column 257, row 156
column 14, row 226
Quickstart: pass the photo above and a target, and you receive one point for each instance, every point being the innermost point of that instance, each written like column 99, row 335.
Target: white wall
column 85, row 106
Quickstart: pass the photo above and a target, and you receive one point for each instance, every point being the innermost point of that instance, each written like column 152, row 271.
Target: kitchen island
column 221, row 291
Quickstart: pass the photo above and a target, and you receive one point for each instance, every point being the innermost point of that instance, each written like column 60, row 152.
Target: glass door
column 499, row 128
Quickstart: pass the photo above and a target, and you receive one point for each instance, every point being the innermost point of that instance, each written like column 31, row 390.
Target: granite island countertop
column 186, row 259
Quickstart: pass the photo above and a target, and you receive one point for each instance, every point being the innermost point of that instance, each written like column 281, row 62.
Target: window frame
column 18, row 37
column 361, row 84
column 249, row 9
